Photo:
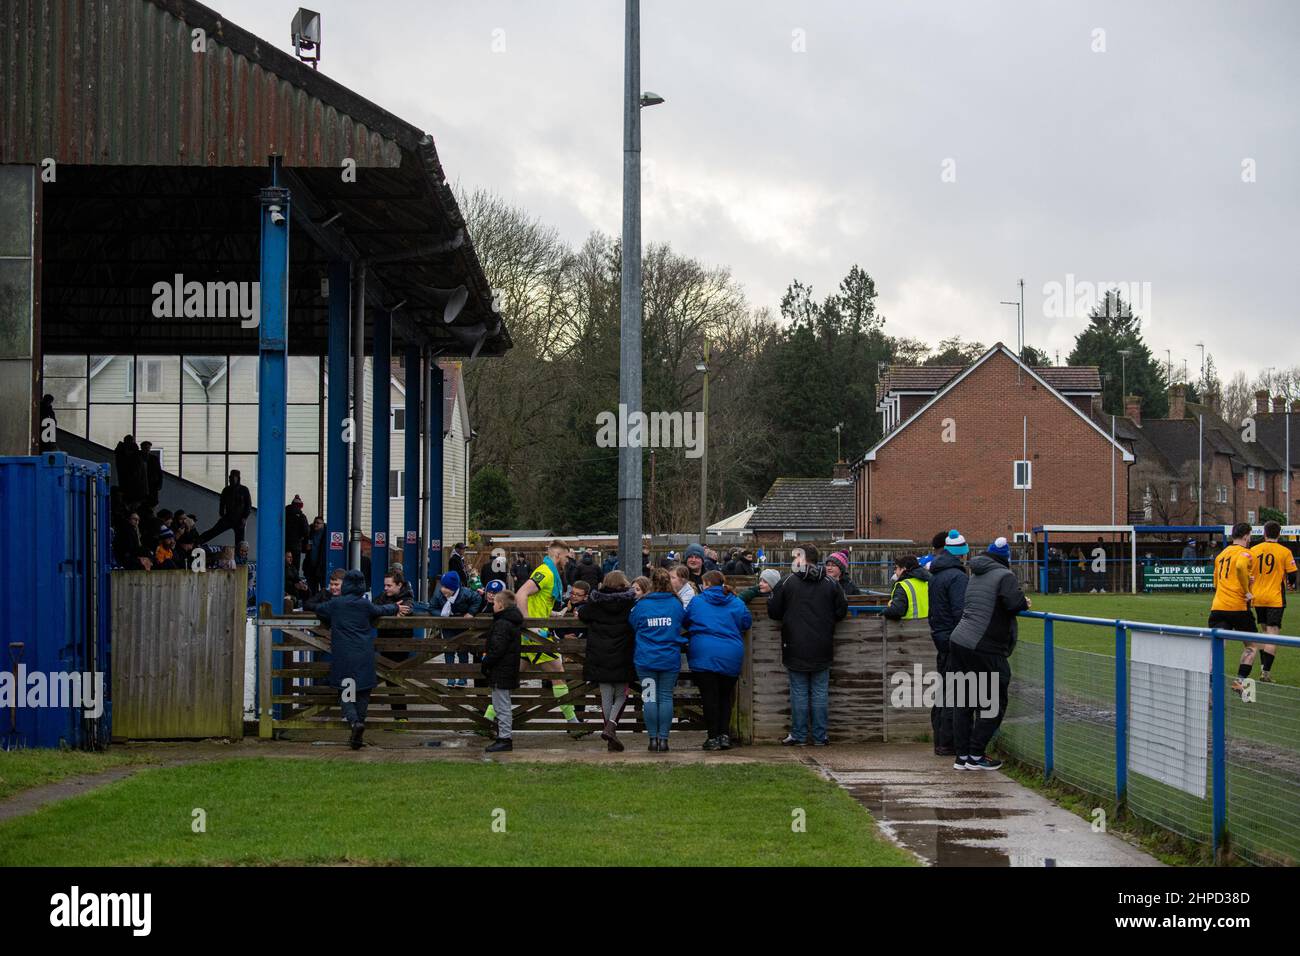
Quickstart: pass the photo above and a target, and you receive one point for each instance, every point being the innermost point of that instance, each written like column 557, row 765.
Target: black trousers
column 717, row 691
column 971, row 730
column 225, row 524
column 941, row 713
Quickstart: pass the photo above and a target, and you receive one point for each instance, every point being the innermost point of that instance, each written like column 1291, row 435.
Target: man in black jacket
column 296, row 530
column 978, row 649
column 233, row 511
column 948, row 579
column 808, row 604
column 586, row 569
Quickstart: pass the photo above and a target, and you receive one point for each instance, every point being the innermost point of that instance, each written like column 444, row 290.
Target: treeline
column 780, row 385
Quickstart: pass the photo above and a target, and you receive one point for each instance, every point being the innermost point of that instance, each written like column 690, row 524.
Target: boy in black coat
column 501, row 664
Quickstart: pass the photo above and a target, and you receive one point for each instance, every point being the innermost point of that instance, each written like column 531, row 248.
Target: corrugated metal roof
column 119, row 83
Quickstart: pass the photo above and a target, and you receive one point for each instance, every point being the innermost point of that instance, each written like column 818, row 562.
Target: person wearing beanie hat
column 457, row 601
column 956, row 544
column 979, row 648
column 947, row 594
column 695, row 565
column 808, row 604
column 768, row 580
column 163, row 554
column 837, row 569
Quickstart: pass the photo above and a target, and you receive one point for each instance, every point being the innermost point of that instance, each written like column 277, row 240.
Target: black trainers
column 792, row 742
column 724, row 742
column 711, row 744
column 354, row 741
column 501, row 745
column 663, row 745
column 983, row 763
column 654, row 745
column 959, row 763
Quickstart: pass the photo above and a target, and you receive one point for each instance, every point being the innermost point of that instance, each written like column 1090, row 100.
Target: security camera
column 277, row 217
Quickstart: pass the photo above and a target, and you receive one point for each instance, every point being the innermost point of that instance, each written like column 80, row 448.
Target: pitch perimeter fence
column 1156, row 732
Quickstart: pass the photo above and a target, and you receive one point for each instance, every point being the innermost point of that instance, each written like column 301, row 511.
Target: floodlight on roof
column 304, row 31
column 651, row 99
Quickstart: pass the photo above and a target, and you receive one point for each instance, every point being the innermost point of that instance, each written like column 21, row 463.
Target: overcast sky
column 800, row 138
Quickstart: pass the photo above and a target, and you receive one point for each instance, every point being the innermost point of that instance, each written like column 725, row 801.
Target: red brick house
column 993, row 449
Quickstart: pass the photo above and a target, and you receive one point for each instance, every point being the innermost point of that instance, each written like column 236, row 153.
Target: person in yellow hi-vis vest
column 910, row 598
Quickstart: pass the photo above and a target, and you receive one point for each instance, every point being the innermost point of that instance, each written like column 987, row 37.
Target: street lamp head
column 651, row 99
column 701, row 367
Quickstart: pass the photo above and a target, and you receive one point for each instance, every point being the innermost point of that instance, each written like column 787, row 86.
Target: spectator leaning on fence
column 948, row 579
column 768, row 581
column 657, row 620
column 837, row 569
column 978, row 651
column 610, row 642
column 350, row 618
column 910, row 597
column 715, row 623
column 808, row 604
column 680, row 576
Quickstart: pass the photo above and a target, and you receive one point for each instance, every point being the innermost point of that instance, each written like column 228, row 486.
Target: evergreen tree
column 1113, row 327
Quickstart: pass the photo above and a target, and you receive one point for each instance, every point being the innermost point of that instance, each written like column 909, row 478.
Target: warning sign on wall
column 410, row 537
column 336, row 540
column 381, row 539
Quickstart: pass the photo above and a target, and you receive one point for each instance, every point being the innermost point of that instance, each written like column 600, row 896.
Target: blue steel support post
column 336, row 478
column 1042, row 575
column 1219, row 706
column 435, row 472
column 1121, row 714
column 381, row 410
column 411, row 505
column 273, row 343
column 1049, row 697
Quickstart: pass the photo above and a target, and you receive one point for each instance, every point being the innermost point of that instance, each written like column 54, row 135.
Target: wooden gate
column 293, row 694
column 177, row 653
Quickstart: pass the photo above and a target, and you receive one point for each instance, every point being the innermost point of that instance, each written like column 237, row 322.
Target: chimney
column 1211, row 401
column 1261, row 402
column 840, row 470
column 1177, row 402
column 1133, row 408
column 1279, row 404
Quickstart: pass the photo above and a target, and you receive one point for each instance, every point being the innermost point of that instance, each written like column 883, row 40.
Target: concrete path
column 966, row 818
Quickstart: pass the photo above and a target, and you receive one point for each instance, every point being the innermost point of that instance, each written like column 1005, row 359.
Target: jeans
column 809, row 691
column 657, row 701
column 971, row 730
column 354, row 712
column 716, row 692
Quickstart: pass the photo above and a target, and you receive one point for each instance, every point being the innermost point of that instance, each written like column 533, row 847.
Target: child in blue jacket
column 657, row 620
column 715, row 622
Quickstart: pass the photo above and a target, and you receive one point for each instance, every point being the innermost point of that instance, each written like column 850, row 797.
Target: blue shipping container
column 54, row 599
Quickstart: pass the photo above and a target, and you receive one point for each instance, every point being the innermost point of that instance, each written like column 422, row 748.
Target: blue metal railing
column 1219, row 637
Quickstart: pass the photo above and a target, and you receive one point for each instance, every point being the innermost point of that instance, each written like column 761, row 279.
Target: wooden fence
column 177, row 654
column 868, row 649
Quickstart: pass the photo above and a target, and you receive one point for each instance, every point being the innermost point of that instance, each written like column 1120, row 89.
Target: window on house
column 1021, row 537
column 399, row 419
column 1221, row 494
column 1250, row 516
column 1250, row 477
column 1173, row 494
column 150, row 377
column 1022, row 476
column 396, row 484
column 1146, row 504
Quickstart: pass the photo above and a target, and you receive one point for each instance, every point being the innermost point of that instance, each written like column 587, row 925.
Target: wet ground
column 967, row 818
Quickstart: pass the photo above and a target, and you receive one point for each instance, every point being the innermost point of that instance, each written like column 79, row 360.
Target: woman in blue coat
column 351, row 618
column 716, row 622
column 657, row 621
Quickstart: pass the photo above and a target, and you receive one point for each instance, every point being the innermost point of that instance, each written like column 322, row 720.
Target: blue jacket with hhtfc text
column 657, row 620
column 716, row 623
